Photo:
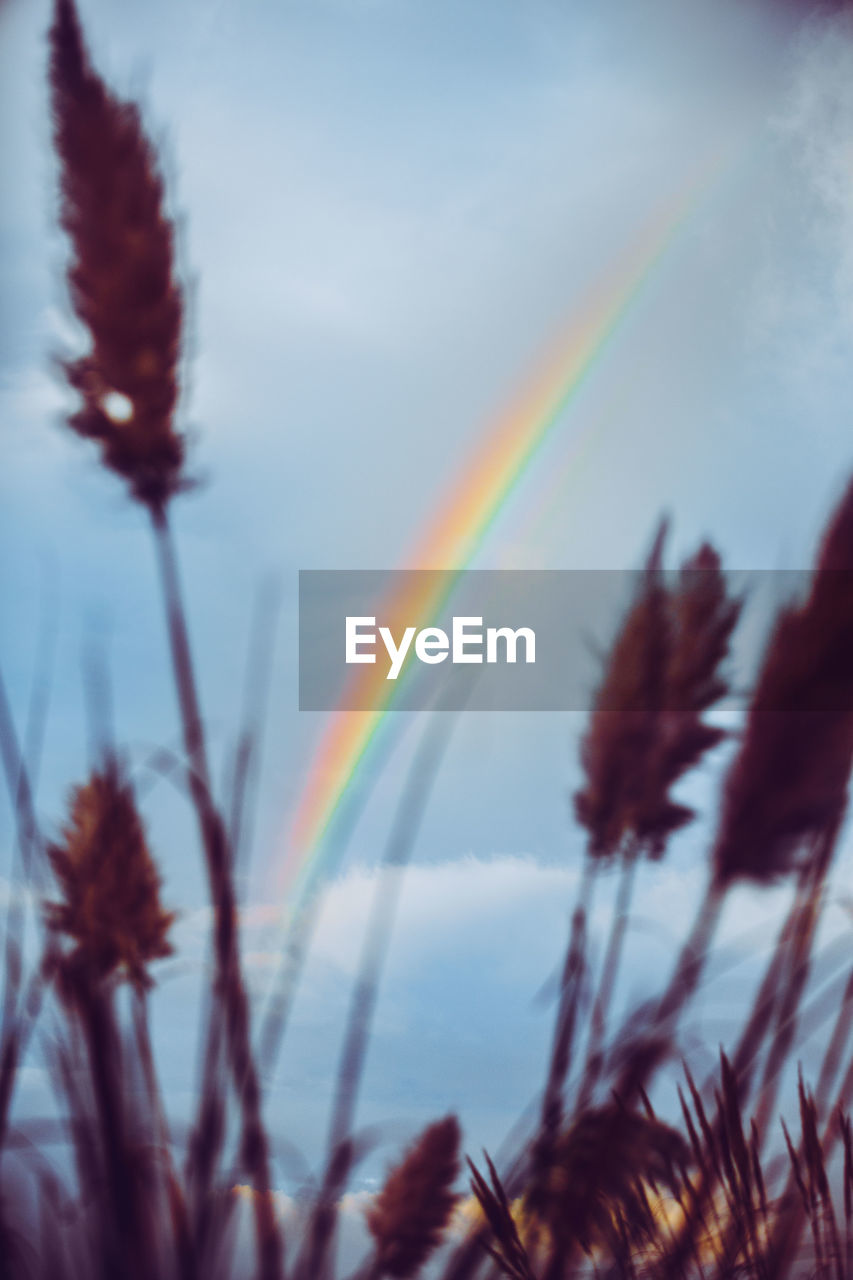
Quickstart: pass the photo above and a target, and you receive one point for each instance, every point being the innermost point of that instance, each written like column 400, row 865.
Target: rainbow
column 460, row 526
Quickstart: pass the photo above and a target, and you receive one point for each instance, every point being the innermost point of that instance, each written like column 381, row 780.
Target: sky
column 388, row 211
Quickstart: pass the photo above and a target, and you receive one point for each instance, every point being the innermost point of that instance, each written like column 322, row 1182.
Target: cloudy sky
column 388, row 210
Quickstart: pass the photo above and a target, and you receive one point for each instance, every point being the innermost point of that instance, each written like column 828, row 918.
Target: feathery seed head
column 412, row 1210
column 788, row 784
column 622, row 727
column 121, row 277
column 646, row 728
column 110, row 908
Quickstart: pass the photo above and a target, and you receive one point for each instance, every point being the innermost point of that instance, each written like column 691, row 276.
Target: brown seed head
column 788, row 784
column 121, row 277
column 646, row 728
column 110, row 908
column 704, row 617
column 623, row 723
column 410, row 1213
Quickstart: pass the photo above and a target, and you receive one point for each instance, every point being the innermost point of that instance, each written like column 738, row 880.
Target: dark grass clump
column 601, row 1168
column 504, row 1245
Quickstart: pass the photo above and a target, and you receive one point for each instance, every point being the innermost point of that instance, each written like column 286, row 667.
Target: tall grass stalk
column 799, row 967
column 594, row 1063
column 231, row 991
column 377, row 938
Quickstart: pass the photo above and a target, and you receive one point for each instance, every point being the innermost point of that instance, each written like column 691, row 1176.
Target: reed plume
column 646, row 731
column 122, row 280
column 110, row 909
column 646, row 728
column 616, row 801
column 786, row 790
column 409, row 1216
column 113, row 926
column 788, row 784
column 124, row 290
column 612, row 806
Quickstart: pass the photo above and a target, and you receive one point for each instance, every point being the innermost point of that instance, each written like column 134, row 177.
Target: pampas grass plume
column 414, row 1207
column 121, row 277
column 110, row 909
column 788, row 784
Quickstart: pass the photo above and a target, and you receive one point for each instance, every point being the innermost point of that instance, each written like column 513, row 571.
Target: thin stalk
column 609, row 973
column 300, row 930
column 18, row 783
column 692, row 958
column 835, row 1049
column 208, row 1135
column 247, row 759
column 231, row 990
column 747, row 1051
column 16, row 1037
column 682, row 986
column 800, row 968
column 276, row 1016
column 571, row 990
column 377, row 938
column 207, row 1138
column 26, row 851
column 19, row 1012
column 574, row 967
column 174, row 1193
column 126, row 1231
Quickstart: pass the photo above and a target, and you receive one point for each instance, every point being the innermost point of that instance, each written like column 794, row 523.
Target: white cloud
column 507, row 917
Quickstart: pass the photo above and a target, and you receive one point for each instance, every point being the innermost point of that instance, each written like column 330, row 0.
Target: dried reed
column 410, row 1214
column 110, row 908
column 377, row 938
column 125, row 292
column 686, row 631
column 788, row 785
column 121, row 279
column 786, row 790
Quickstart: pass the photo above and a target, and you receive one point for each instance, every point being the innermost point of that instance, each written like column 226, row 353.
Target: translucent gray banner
column 496, row 640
